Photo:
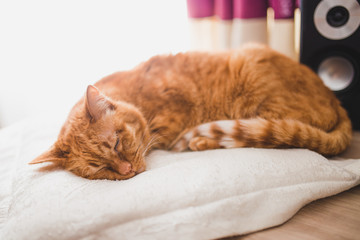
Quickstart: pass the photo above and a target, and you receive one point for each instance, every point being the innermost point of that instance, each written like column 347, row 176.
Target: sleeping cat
column 251, row 97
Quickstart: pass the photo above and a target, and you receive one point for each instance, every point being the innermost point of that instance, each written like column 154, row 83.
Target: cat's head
column 101, row 139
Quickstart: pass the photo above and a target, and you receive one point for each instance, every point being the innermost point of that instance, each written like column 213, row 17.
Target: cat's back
column 284, row 88
column 244, row 83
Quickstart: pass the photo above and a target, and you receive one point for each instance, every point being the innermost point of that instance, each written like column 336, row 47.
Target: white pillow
column 192, row 195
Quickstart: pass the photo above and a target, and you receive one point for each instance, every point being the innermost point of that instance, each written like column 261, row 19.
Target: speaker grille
column 337, row 19
column 336, row 72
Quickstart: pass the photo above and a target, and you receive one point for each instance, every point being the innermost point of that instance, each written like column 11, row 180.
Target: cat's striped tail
column 262, row 133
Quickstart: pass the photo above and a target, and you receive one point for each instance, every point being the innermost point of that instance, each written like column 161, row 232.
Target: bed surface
column 195, row 195
column 336, row 217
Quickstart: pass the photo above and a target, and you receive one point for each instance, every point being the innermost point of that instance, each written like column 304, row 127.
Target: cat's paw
column 203, row 143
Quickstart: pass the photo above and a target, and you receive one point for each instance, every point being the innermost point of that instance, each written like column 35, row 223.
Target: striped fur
column 266, row 133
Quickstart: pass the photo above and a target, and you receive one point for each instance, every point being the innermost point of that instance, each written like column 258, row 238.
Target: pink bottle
column 223, row 24
column 201, row 24
column 282, row 28
column 249, row 23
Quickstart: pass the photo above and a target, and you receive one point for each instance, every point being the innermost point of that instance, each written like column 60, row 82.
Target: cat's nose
column 124, row 167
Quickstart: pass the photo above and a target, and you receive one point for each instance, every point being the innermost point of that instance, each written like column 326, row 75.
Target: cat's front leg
column 203, row 143
column 196, row 143
column 203, row 137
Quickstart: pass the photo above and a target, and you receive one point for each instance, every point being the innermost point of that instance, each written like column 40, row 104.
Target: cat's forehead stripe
column 105, row 144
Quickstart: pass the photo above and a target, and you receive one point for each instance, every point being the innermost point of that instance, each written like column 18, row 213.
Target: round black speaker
column 337, row 19
column 338, row 69
column 330, row 45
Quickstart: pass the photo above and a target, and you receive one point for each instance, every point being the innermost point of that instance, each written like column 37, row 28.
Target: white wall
column 50, row 50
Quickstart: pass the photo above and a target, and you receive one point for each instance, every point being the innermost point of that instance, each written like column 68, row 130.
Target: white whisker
column 151, row 143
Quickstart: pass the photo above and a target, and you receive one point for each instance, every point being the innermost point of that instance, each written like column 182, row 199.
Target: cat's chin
column 111, row 176
column 130, row 174
column 127, row 176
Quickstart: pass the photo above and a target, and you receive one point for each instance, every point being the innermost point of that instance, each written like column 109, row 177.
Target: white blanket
column 193, row 195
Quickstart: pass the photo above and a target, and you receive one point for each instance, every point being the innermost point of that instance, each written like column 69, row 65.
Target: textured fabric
column 192, row 195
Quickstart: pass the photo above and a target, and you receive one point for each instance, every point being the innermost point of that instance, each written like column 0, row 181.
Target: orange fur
column 274, row 102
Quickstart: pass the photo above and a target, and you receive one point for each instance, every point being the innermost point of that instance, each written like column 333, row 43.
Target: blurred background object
column 201, row 24
column 330, row 37
column 282, row 27
column 224, row 16
column 51, row 50
column 232, row 23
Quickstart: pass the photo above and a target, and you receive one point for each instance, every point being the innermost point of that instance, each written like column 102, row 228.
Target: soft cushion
column 191, row 195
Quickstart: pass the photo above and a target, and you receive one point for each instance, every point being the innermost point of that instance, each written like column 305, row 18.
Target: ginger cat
column 252, row 97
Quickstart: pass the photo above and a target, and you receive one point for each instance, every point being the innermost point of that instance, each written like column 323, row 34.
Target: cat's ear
column 96, row 103
column 52, row 155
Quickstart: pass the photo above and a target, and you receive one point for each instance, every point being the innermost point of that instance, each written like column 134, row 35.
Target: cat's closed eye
column 116, row 144
column 93, row 164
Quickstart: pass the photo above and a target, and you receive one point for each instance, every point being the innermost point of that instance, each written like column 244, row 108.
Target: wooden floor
column 332, row 218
